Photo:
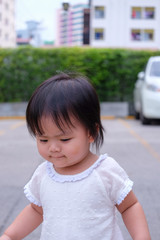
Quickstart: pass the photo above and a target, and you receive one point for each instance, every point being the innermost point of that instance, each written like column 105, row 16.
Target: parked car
column 147, row 92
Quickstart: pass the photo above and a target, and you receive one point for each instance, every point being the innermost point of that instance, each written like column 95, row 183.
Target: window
column 149, row 13
column 143, row 13
column 80, row 11
column 148, row 35
column 99, row 12
column 155, row 69
column 136, row 34
column 98, row 33
column 142, row 34
column 137, row 12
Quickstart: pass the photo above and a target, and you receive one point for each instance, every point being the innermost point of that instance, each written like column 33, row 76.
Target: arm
column 5, row 237
column 134, row 218
column 29, row 219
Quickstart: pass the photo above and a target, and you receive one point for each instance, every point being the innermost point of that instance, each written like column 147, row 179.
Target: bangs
column 60, row 113
column 61, row 120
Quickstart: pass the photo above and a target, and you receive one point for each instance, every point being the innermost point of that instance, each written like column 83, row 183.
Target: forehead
column 49, row 124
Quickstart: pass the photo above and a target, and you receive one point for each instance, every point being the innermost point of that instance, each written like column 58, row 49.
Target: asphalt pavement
column 135, row 147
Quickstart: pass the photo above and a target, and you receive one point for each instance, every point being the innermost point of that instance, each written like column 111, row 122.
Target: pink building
column 73, row 25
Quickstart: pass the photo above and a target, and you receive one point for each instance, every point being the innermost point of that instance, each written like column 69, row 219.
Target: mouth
column 56, row 157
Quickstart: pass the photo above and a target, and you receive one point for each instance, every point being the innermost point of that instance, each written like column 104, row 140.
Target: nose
column 54, row 147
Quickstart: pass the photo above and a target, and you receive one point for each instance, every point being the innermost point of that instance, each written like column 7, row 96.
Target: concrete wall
column 12, row 109
column 117, row 109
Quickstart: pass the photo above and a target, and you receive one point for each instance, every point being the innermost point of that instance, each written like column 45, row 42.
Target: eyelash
column 65, row 140
column 43, row 140
column 62, row 140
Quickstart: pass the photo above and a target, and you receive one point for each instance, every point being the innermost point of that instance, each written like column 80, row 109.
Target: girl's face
column 68, row 150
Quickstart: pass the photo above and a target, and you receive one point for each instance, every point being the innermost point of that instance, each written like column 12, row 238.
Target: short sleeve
column 115, row 180
column 32, row 188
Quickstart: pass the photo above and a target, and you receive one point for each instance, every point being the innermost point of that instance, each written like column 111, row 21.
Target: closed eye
column 43, row 140
column 65, row 139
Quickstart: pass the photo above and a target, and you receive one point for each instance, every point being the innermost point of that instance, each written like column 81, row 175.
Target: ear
column 91, row 139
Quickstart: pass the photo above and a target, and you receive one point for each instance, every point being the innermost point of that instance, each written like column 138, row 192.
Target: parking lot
column 134, row 146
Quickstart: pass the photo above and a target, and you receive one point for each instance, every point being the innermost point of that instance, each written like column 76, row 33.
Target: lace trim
column 73, row 178
column 127, row 189
column 30, row 197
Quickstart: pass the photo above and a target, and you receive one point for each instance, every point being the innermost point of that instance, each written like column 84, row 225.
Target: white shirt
column 81, row 206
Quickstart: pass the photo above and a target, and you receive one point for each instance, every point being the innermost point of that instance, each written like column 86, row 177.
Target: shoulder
column 110, row 165
column 40, row 170
column 115, row 179
column 38, row 175
column 110, row 170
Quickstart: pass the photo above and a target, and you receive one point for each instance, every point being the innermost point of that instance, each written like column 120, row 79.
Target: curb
column 114, row 117
column 102, row 117
column 12, row 117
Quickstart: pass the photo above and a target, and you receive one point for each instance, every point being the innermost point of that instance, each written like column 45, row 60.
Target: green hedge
column 113, row 72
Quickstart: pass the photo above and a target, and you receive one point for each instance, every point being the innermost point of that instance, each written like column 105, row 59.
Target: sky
column 43, row 11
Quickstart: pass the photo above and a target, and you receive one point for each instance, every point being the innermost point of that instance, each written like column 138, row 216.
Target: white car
column 147, row 92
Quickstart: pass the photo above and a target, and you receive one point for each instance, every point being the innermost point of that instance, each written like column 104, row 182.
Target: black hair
column 62, row 96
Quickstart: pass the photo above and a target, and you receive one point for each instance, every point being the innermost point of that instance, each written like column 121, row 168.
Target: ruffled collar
column 76, row 177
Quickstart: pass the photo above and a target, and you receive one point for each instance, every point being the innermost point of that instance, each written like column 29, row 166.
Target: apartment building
column 73, row 25
column 125, row 24
column 30, row 35
column 7, row 23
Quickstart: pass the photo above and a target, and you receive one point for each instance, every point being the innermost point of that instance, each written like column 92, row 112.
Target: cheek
column 41, row 149
column 70, row 149
column 78, row 147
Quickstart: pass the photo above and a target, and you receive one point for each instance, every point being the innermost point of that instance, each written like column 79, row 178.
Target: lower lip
column 57, row 157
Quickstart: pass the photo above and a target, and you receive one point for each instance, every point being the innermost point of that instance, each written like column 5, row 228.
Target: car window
column 155, row 69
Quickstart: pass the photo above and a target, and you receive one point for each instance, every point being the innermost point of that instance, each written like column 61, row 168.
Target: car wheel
column 136, row 114
column 144, row 120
